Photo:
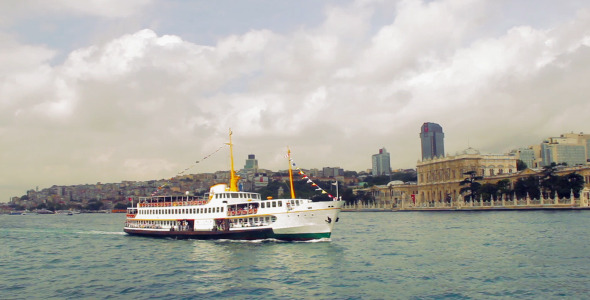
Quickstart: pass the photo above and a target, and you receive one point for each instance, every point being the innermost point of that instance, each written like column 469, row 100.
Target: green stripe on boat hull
column 229, row 235
column 302, row 236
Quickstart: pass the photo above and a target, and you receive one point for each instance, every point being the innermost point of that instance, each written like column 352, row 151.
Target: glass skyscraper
column 381, row 164
column 251, row 163
column 433, row 144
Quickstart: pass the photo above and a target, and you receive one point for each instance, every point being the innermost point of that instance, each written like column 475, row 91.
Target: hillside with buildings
column 438, row 177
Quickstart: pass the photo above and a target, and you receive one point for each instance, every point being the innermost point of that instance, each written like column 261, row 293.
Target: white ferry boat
column 227, row 213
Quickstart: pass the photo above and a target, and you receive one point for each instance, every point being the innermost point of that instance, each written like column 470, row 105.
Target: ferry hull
column 252, row 234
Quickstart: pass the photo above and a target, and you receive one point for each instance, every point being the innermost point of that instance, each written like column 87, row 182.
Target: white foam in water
column 102, row 232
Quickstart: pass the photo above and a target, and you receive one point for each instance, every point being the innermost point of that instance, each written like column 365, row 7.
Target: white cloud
column 102, row 8
column 146, row 104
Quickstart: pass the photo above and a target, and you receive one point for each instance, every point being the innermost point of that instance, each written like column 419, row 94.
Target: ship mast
column 233, row 181
column 291, row 174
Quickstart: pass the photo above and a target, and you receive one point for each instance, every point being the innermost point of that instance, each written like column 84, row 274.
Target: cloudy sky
column 109, row 90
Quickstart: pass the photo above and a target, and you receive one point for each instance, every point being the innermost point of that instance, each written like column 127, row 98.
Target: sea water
column 372, row 255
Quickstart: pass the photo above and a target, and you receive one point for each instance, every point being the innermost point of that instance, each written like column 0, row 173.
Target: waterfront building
column 572, row 155
column 439, row 178
column 580, row 139
column 381, row 163
column 527, row 155
column 332, row 172
column 569, row 148
column 260, row 180
column 432, row 140
column 251, row 163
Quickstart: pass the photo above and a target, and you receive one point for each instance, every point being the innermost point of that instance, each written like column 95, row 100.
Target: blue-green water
column 437, row 255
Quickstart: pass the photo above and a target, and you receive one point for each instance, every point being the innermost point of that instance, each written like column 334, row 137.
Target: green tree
column 94, row 205
column 520, row 165
column 569, row 183
column 504, row 187
column 528, row 185
column 120, row 205
column 488, row 190
column 471, row 191
column 349, row 196
column 549, row 181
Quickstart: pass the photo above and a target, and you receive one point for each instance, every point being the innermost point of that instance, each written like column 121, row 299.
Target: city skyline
column 133, row 90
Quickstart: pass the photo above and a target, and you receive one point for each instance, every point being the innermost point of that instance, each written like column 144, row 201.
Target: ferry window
column 297, row 202
column 222, row 209
column 262, row 205
column 274, row 204
column 280, row 203
column 235, row 195
column 209, row 210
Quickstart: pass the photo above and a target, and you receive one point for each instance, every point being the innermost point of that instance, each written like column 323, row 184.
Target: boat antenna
column 233, row 181
column 290, row 173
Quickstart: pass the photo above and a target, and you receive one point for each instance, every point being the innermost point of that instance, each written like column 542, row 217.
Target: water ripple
column 531, row 255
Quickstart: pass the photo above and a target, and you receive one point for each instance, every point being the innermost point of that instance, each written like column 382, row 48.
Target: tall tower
column 381, row 164
column 433, row 144
column 251, row 163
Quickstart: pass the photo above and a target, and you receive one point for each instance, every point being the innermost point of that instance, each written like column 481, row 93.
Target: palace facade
column 439, row 178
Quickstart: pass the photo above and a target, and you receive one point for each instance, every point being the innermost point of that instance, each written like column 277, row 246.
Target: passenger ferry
column 227, row 213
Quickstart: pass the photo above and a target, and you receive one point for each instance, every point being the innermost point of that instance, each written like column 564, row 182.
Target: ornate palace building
column 439, row 178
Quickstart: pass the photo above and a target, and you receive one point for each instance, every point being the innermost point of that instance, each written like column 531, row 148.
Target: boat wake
column 261, row 241
column 102, row 232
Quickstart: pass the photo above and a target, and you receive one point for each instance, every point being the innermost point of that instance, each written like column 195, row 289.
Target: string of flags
column 308, row 179
column 185, row 171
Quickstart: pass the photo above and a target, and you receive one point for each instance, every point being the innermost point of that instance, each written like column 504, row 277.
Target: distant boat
column 17, row 213
column 44, row 212
column 227, row 213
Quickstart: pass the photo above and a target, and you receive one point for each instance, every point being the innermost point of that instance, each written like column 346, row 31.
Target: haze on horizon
column 106, row 91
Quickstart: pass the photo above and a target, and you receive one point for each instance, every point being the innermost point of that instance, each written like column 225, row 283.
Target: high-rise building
column 570, row 154
column 332, row 172
column 432, row 138
column 572, row 149
column 527, row 155
column 381, row 164
column 251, row 163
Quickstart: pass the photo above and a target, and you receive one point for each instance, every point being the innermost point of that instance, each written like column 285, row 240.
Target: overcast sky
column 105, row 91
